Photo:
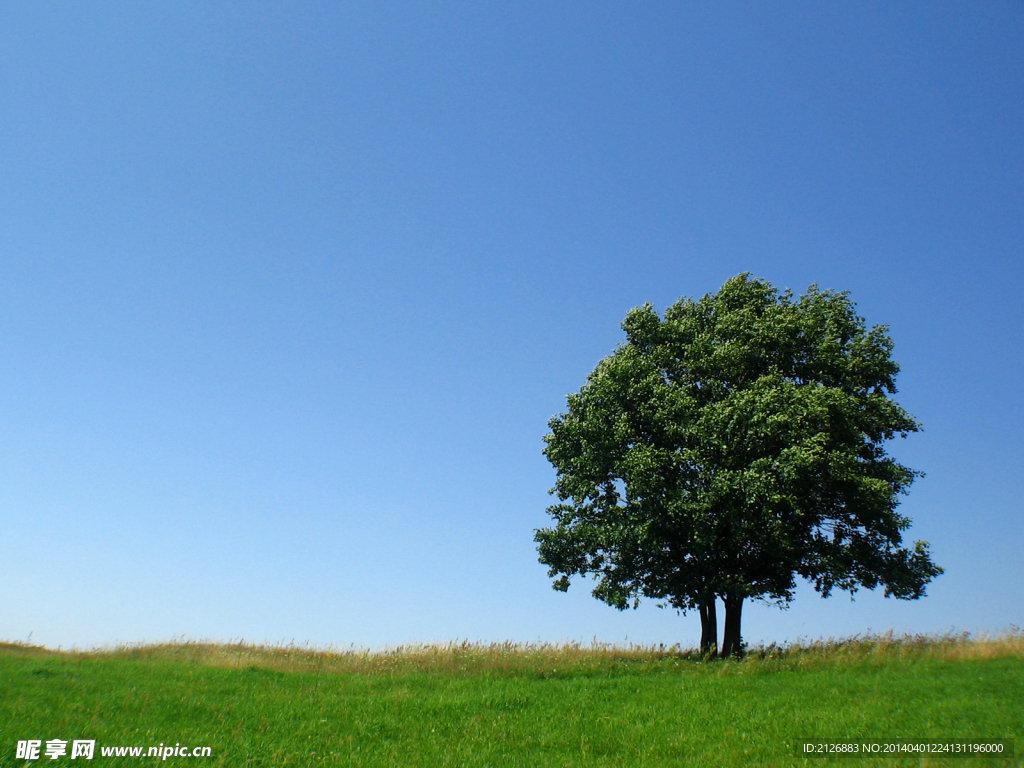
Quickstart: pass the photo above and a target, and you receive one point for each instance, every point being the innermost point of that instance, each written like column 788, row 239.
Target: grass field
column 506, row 705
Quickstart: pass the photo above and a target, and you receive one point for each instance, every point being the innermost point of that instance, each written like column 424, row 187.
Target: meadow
column 513, row 705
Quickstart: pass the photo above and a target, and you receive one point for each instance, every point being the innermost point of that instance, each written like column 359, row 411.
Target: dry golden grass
column 446, row 659
column 1007, row 644
column 508, row 658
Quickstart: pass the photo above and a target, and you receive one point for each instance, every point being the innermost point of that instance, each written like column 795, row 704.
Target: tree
column 728, row 447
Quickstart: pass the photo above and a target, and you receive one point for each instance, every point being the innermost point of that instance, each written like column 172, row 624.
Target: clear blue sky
column 290, row 291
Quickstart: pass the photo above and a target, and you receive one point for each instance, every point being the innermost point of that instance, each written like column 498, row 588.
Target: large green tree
column 726, row 448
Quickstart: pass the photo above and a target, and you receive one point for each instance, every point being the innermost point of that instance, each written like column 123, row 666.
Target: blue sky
column 290, row 291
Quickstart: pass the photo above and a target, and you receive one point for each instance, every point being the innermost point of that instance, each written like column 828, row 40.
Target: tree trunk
column 709, row 629
column 732, row 644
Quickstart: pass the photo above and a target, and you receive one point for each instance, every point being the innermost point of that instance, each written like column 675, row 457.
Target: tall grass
column 543, row 659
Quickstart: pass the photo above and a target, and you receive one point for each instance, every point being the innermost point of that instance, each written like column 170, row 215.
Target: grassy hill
column 508, row 705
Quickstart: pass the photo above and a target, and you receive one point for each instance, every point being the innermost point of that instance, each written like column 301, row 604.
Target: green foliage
column 729, row 446
column 506, row 705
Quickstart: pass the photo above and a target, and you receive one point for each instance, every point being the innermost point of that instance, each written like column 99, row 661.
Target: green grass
column 505, row 705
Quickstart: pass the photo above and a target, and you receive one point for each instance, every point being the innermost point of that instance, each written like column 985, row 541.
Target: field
column 507, row 705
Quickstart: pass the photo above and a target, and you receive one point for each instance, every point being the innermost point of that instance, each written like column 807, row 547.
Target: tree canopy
column 729, row 446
